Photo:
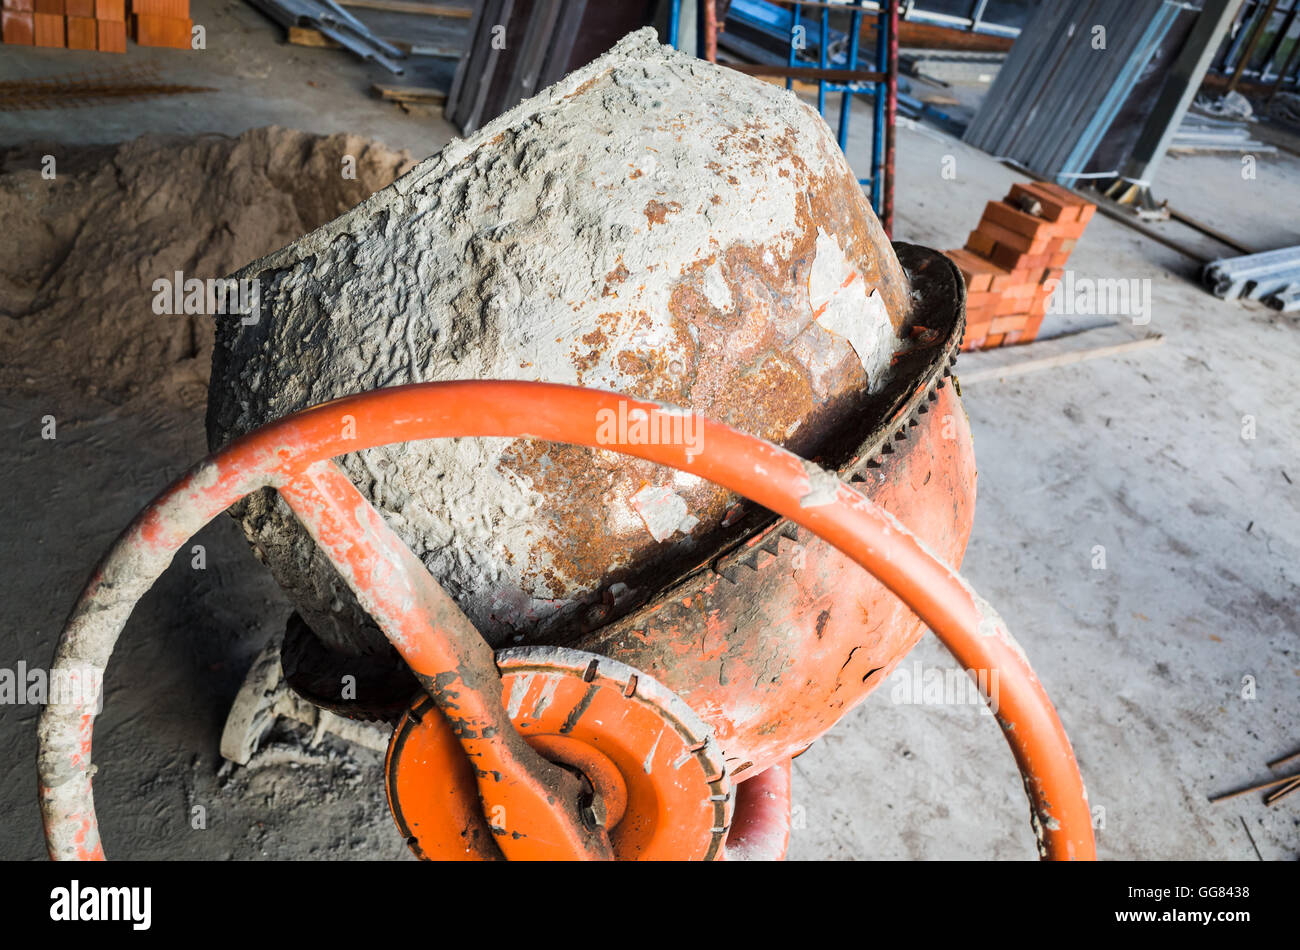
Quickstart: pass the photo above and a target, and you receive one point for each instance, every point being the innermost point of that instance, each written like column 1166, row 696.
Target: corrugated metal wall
column 1057, row 96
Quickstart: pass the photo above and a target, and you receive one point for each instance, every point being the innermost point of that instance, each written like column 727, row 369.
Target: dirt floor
column 1148, row 659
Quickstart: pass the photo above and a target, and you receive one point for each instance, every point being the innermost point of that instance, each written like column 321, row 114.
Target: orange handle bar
column 279, row 454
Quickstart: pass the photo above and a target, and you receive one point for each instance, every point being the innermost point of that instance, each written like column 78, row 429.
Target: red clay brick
column 111, row 36
column 1015, row 321
column 20, row 6
column 162, row 31
column 176, row 9
column 1054, row 209
column 1018, row 221
column 114, row 10
column 82, row 8
column 1008, row 238
column 81, row 32
column 51, row 7
column 48, row 29
column 979, row 244
column 18, row 29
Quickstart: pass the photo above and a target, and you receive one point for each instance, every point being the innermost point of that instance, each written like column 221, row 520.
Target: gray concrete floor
column 1143, row 454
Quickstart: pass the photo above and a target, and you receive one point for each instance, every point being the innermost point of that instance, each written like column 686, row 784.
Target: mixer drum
column 652, row 225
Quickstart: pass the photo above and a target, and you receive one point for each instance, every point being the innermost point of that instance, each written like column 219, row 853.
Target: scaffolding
column 838, row 73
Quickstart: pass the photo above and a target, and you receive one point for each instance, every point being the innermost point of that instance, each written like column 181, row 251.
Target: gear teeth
column 873, row 463
column 787, row 545
column 762, row 559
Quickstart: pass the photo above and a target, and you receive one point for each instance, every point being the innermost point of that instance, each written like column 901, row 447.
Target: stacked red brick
column 96, row 24
column 18, row 22
column 110, row 26
column 1014, row 258
column 162, row 23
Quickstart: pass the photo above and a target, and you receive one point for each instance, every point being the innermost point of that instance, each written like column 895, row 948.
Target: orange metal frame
column 450, row 659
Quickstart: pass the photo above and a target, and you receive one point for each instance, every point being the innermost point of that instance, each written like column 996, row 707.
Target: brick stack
column 96, row 24
column 1014, row 258
column 17, row 22
column 162, row 23
column 79, row 23
column 47, row 23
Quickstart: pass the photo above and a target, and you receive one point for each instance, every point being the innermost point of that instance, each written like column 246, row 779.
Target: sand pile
column 79, row 254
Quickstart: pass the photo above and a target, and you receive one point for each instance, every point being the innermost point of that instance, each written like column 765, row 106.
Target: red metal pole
column 891, row 115
column 711, row 30
column 760, row 826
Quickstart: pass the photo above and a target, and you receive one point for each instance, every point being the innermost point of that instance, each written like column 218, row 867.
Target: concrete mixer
column 570, row 448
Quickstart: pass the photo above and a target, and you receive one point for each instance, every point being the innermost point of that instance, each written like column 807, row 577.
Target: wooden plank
column 409, row 6
column 306, row 36
column 1114, row 339
column 415, row 94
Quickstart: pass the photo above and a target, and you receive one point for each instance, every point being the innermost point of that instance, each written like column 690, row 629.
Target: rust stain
column 657, row 212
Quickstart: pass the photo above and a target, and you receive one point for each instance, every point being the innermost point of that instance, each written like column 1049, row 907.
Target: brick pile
column 18, row 22
column 162, row 23
column 95, row 24
column 1013, row 259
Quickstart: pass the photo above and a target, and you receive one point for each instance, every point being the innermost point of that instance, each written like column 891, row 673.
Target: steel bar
column 1257, row 33
column 808, row 73
column 891, row 116
column 1256, row 788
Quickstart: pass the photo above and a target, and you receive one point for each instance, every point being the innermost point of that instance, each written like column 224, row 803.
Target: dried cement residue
column 652, row 225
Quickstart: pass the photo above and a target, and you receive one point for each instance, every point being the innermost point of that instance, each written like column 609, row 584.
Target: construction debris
column 335, row 23
column 1204, row 134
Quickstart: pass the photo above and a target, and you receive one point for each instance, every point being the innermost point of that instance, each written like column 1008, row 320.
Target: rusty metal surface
column 663, row 789
column 539, row 800
column 653, row 226
column 281, row 454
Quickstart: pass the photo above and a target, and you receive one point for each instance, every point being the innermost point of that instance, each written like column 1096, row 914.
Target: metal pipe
column 1257, row 33
column 711, row 30
column 760, row 823
column 1282, row 31
column 823, row 58
column 846, row 100
column 891, row 116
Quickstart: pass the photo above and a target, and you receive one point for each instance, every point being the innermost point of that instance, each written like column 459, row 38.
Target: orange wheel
column 655, row 776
